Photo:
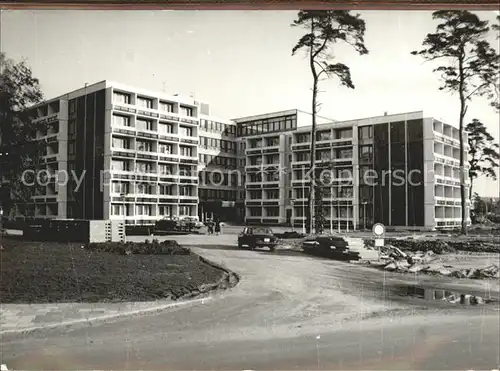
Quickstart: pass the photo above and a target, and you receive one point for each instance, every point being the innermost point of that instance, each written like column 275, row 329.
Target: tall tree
column 324, row 29
column 19, row 89
column 484, row 156
column 469, row 68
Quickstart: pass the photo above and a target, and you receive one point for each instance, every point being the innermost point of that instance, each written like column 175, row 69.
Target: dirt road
column 288, row 311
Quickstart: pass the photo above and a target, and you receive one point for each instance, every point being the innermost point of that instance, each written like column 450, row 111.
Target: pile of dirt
column 42, row 272
column 488, row 272
column 441, row 246
column 396, row 260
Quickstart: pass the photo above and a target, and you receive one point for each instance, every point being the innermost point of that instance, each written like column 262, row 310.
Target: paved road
column 288, row 312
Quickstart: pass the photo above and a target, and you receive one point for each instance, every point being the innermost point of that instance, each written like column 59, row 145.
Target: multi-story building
column 122, row 153
column 130, row 154
column 267, row 140
column 220, row 182
column 400, row 170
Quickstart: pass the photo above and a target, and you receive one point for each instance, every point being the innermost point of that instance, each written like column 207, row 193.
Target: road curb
column 228, row 280
column 104, row 318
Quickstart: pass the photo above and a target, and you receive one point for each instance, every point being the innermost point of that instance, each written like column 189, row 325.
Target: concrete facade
column 136, row 156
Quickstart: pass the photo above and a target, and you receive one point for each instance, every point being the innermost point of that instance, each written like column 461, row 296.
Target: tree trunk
column 463, row 110
column 470, row 188
column 310, row 200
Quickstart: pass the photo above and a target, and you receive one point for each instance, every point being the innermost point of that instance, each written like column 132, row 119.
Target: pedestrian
column 210, row 226
column 217, row 227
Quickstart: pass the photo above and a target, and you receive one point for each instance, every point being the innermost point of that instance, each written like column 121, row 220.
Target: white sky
column 238, row 61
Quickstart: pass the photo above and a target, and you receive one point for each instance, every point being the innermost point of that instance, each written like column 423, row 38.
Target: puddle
column 453, row 297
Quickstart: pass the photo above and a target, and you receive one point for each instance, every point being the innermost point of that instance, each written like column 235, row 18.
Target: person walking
column 217, row 227
column 210, row 226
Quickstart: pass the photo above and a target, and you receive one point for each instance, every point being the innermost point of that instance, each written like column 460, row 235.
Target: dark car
column 165, row 225
column 332, row 247
column 253, row 237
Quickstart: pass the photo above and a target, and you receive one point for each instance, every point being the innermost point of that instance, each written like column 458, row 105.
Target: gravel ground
column 35, row 272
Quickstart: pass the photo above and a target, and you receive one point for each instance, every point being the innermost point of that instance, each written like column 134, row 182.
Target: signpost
column 379, row 233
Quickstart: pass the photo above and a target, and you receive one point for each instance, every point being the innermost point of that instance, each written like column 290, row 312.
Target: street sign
column 378, row 230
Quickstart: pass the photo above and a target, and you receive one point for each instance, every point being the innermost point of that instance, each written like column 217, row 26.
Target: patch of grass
column 42, row 272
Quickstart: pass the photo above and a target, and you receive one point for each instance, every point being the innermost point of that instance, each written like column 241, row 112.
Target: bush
column 168, row 247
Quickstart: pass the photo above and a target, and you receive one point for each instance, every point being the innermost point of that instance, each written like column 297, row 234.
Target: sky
column 238, row 61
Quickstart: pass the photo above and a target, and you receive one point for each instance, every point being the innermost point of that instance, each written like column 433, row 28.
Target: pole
column 338, row 208
column 303, row 207
column 331, row 210
column 364, row 216
column 347, row 222
column 1, row 227
column 85, row 155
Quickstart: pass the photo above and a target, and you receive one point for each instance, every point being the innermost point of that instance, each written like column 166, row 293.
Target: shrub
column 168, row 247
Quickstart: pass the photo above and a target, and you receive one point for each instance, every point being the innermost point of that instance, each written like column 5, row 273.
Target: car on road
column 190, row 223
column 253, row 237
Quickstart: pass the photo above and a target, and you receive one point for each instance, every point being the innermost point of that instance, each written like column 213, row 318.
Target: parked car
column 329, row 247
column 190, row 223
column 253, row 237
column 167, row 224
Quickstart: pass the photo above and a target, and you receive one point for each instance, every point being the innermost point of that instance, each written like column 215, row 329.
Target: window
column 121, row 98
column 273, row 194
column 165, row 210
column 185, row 191
column 302, row 138
column 116, row 210
column 165, row 169
column 323, row 135
column 255, row 160
column 144, row 167
column 145, row 210
column 344, row 133
column 273, row 142
column 165, row 148
column 72, row 126
column 184, row 210
column 120, row 187
column 185, row 131
column 323, row 155
column 144, row 102
column 344, row 153
column 186, row 151
column 365, row 132
column 120, row 165
column 254, row 211
column 345, row 192
column 365, row 152
column 185, row 170
column 165, row 128
column 121, row 143
column 72, row 106
column 142, row 124
column 145, row 189
column 165, row 189
column 144, row 146
column 166, row 107
column 273, row 176
column 186, row 111
column 273, row 212
column 303, row 156
column 119, row 120
column 71, row 147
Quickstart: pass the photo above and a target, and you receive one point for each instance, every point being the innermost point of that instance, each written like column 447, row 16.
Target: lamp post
column 364, row 215
column 331, row 210
column 1, row 227
column 303, row 207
